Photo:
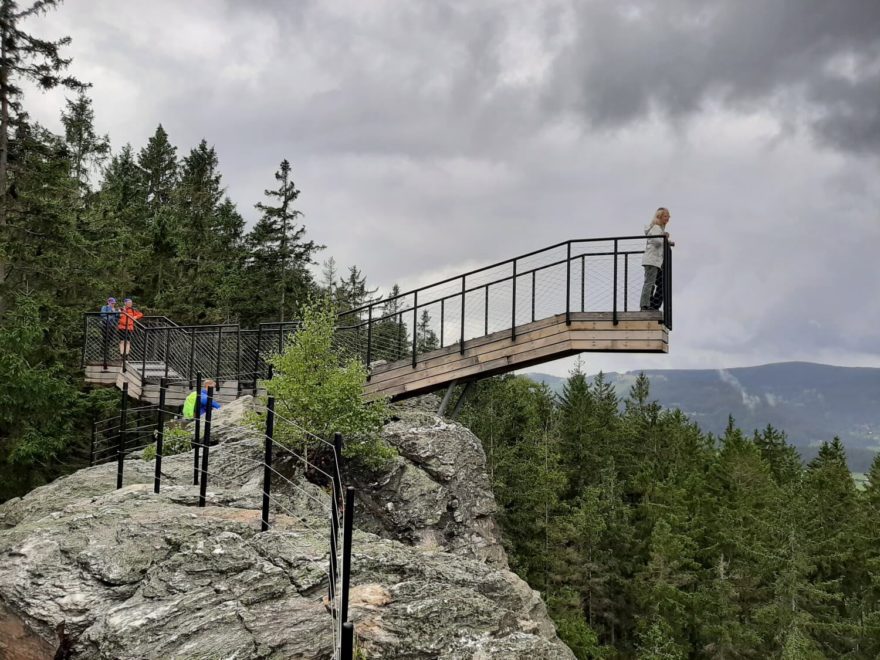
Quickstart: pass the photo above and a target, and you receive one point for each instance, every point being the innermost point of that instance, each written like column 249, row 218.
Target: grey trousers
column 652, row 275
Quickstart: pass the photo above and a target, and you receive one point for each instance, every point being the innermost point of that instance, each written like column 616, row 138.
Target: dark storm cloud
column 430, row 138
column 817, row 60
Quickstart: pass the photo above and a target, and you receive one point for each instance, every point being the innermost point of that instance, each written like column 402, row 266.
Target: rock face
column 134, row 574
column 436, row 495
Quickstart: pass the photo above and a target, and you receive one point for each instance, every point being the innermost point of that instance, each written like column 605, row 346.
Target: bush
column 177, row 441
column 321, row 390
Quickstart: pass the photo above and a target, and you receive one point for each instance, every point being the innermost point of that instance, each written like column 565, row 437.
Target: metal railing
column 585, row 275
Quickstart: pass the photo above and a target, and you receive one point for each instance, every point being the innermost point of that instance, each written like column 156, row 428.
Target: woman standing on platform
column 652, row 289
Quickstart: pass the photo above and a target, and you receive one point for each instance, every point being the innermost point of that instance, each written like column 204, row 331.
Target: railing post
column 568, row 283
column 203, row 486
column 583, row 281
column 219, row 345
column 257, row 357
column 513, row 305
column 347, row 647
column 238, row 358
column 120, row 441
column 267, row 462
column 614, row 312
column 146, row 336
column 160, row 435
column 463, row 294
column 626, row 281
column 167, row 348
column 486, row 312
column 198, row 422
column 667, row 284
column 442, row 319
column 347, row 520
column 334, row 516
column 533, row 295
column 192, row 353
column 369, row 339
column 415, row 345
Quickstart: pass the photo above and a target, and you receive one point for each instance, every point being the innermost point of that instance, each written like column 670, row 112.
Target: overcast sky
column 432, row 137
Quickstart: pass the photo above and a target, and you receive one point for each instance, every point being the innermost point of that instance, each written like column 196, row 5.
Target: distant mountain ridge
column 810, row 402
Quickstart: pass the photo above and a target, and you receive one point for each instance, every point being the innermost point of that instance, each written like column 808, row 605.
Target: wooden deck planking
column 542, row 341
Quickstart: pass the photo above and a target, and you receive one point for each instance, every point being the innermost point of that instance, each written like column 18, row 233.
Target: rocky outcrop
column 436, row 493
column 134, row 574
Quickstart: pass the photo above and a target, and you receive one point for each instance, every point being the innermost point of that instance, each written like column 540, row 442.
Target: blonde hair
column 210, row 382
column 656, row 219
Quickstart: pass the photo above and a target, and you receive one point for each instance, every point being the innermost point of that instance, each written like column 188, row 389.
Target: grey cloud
column 818, row 59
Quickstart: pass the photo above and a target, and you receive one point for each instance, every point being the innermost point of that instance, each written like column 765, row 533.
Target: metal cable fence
column 124, row 437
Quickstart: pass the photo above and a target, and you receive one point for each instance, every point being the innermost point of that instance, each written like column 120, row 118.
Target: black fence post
column 347, row 520
column 614, row 312
column 167, row 346
column 533, row 295
column 463, row 295
column 203, row 486
column 257, row 357
column 120, row 442
column 192, row 354
column 160, row 435
column 347, row 650
column 583, row 282
column 334, row 515
column 486, row 312
column 626, row 281
column 238, row 357
column 369, row 339
column 219, row 348
column 198, row 424
column 513, row 304
column 568, row 283
column 415, row 346
column 442, row 319
column 267, row 462
column 667, row 284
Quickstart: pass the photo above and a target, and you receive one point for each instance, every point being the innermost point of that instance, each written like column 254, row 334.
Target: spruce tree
column 88, row 150
column 279, row 255
column 23, row 58
column 158, row 163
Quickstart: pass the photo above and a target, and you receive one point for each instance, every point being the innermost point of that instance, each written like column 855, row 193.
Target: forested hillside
column 650, row 538
column 82, row 220
column 810, row 402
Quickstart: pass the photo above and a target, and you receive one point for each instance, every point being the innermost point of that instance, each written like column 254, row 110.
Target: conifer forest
column 646, row 537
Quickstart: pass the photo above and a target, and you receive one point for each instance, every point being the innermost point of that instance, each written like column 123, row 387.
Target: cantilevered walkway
column 577, row 296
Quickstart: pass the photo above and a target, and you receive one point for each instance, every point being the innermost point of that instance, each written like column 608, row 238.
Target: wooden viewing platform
column 573, row 297
column 541, row 341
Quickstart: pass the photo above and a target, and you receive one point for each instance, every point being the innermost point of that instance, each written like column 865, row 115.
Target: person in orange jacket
column 126, row 326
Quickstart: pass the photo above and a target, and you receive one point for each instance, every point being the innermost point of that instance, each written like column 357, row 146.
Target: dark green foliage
column 278, row 256
column 650, row 539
